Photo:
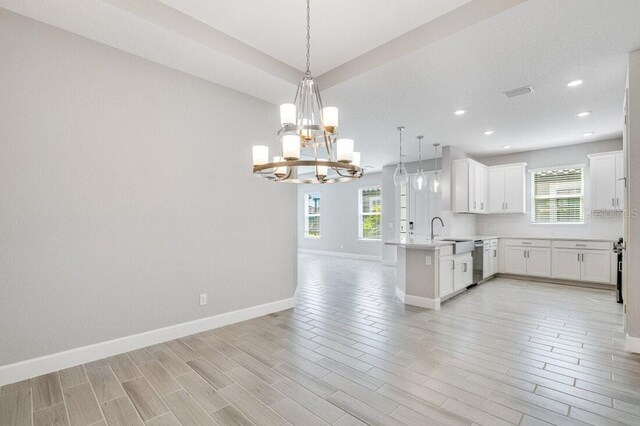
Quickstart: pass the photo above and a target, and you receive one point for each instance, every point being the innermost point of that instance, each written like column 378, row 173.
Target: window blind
column 558, row 196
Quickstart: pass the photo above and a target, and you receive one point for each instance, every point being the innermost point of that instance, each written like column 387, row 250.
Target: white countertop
column 420, row 243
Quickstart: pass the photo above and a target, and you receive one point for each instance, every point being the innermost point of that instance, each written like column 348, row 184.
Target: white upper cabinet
column 607, row 181
column 470, row 187
column 506, row 190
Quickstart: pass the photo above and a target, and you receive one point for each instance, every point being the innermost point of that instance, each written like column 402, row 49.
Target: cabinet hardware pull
column 481, row 205
column 578, row 257
column 453, row 264
column 464, row 267
column 613, row 202
column 617, row 202
column 506, row 206
column 583, row 257
column 494, row 253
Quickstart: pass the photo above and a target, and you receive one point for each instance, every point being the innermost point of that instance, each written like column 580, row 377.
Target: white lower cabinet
column 527, row 257
column 582, row 264
column 456, row 273
column 539, row 261
column 515, row 260
column 463, row 274
column 493, row 259
column 566, row 264
column 446, row 275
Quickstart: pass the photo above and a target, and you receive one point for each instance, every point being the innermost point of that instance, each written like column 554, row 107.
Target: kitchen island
column 428, row 271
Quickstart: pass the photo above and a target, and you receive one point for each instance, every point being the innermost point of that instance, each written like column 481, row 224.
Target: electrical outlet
column 203, row 299
column 428, row 260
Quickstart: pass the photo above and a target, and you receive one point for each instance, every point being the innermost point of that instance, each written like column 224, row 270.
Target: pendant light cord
column 308, row 72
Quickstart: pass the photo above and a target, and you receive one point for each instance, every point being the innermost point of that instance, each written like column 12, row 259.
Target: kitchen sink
column 461, row 246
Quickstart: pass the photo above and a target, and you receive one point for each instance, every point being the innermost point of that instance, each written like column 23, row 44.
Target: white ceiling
column 341, row 30
column 400, row 62
column 543, row 43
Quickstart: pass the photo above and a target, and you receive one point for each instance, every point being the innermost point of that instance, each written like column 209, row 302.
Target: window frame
column 361, row 214
column 533, row 193
column 308, row 215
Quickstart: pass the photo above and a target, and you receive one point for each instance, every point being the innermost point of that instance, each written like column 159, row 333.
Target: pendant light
column 420, row 179
column 434, row 185
column 400, row 176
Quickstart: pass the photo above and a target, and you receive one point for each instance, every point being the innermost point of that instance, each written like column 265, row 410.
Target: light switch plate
column 428, row 260
column 203, row 299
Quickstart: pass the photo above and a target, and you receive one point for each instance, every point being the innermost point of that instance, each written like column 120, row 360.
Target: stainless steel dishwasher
column 478, row 261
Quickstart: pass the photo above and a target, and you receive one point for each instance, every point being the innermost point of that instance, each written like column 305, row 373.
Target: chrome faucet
column 441, row 223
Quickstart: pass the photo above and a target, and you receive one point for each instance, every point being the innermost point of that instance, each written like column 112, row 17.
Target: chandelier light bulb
column 321, row 172
column 330, row 118
column 287, row 114
column 345, row 150
column 260, row 155
column 356, row 159
column 291, row 147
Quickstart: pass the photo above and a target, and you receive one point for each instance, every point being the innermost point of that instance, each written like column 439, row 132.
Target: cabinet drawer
column 446, row 250
column 577, row 244
column 527, row 243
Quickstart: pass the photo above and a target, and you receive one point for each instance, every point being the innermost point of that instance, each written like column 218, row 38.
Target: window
column 370, row 201
column 312, row 215
column 557, row 195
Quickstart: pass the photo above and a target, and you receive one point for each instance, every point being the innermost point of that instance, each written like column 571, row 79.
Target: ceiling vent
column 517, row 92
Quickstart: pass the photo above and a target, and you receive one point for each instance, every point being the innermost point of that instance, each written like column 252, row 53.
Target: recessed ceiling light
column 583, row 113
column 506, row 146
column 588, row 134
column 460, row 112
column 489, row 132
column 574, row 83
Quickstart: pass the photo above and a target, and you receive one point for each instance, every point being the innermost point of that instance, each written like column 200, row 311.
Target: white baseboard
column 633, row 344
column 46, row 364
column 422, row 302
column 340, row 254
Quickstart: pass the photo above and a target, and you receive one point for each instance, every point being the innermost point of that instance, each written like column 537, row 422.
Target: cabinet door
column 514, row 260
column 485, row 188
column 514, row 189
column 496, row 190
column 596, row 266
column 493, row 261
column 460, row 188
column 603, row 182
column 539, row 261
column 486, row 262
column 566, row 264
column 446, row 276
column 463, row 274
column 620, row 181
column 474, row 204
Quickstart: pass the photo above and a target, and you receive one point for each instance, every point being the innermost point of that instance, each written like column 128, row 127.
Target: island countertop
column 420, row 244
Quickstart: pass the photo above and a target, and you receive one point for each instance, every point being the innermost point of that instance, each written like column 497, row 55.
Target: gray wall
column 338, row 217
column 633, row 172
column 125, row 192
column 520, row 224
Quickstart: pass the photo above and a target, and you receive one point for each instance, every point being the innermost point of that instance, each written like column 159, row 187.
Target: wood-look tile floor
column 505, row 352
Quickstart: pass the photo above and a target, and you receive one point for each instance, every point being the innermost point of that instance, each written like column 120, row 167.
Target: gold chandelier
column 308, row 134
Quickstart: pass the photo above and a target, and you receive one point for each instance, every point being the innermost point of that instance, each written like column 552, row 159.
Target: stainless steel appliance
column 478, row 261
